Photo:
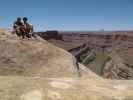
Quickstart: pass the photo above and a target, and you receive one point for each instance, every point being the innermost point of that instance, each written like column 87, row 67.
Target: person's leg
column 33, row 35
column 18, row 32
column 23, row 33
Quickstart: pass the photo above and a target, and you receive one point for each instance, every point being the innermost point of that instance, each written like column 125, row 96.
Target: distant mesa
column 53, row 34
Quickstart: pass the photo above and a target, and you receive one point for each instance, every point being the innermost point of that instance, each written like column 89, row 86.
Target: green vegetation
column 98, row 64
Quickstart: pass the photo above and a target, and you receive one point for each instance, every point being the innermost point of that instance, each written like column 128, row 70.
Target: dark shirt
column 17, row 24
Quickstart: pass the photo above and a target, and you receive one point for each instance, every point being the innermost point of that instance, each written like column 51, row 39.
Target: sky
column 69, row 15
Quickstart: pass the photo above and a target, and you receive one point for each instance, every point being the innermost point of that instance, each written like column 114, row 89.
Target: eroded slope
column 36, row 57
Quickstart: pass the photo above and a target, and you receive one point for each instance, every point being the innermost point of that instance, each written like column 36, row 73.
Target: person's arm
column 32, row 29
column 14, row 25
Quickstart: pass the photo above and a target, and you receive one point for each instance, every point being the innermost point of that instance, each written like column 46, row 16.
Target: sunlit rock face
column 37, row 57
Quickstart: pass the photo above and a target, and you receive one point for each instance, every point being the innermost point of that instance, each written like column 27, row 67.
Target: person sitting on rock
column 28, row 28
column 18, row 27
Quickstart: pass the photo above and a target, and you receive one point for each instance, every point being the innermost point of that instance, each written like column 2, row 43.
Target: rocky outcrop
column 117, row 69
column 50, row 35
column 36, row 70
column 36, row 57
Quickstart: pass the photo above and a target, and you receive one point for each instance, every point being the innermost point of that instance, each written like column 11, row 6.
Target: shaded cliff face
column 101, row 47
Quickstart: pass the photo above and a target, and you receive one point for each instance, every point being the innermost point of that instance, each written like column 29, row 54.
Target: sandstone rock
column 35, row 57
column 25, row 88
